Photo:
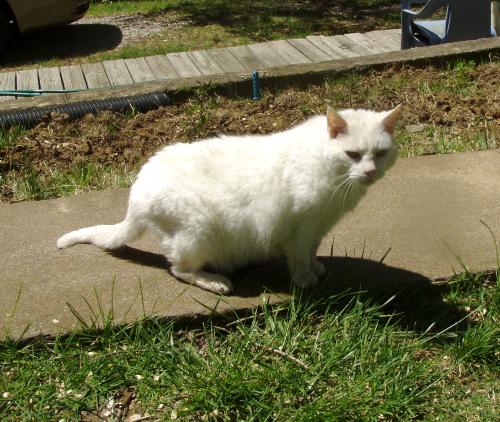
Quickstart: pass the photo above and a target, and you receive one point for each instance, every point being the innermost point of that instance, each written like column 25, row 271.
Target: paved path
column 422, row 204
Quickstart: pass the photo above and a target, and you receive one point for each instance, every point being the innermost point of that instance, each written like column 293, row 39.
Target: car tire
column 6, row 30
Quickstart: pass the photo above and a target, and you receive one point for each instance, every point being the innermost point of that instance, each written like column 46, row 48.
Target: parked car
column 18, row 17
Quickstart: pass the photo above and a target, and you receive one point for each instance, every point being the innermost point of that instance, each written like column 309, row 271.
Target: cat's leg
column 215, row 283
column 188, row 259
column 318, row 268
column 298, row 253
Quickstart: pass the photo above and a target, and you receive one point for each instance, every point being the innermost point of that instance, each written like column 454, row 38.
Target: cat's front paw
column 318, row 268
column 306, row 280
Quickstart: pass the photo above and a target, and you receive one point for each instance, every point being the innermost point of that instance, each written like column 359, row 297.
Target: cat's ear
column 391, row 119
column 336, row 124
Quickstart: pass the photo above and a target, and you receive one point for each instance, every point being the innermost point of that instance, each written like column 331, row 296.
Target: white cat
column 222, row 203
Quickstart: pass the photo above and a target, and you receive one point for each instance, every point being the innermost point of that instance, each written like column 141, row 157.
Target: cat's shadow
column 377, row 281
column 344, row 273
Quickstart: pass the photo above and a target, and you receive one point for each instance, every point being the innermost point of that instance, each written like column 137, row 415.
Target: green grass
column 106, row 7
column 189, row 38
column 241, row 21
column 435, row 139
column 244, row 10
column 10, row 137
column 428, row 353
column 82, row 177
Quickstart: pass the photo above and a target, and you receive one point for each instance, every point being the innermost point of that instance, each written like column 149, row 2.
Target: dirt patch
column 109, row 138
column 464, row 100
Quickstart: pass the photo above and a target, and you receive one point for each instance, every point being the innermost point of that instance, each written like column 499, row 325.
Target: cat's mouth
column 367, row 181
column 364, row 181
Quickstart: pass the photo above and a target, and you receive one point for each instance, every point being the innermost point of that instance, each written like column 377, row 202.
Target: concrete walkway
column 421, row 206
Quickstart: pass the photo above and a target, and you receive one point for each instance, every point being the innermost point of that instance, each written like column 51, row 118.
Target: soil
column 127, row 141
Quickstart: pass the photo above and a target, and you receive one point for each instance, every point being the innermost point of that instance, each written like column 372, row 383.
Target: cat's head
column 363, row 141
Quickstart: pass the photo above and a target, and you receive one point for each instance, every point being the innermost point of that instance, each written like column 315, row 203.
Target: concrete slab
column 423, row 205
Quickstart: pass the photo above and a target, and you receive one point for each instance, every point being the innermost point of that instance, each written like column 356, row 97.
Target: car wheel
column 6, row 30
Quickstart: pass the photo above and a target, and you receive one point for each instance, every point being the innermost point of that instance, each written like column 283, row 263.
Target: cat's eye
column 353, row 155
column 381, row 153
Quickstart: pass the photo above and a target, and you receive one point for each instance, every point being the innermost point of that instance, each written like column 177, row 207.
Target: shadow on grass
column 61, row 43
column 263, row 20
column 418, row 302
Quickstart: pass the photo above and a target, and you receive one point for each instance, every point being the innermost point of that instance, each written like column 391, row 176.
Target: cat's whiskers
column 352, row 189
column 344, row 180
column 346, row 192
column 342, row 187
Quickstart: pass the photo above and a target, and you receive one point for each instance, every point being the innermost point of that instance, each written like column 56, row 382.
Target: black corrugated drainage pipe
column 30, row 117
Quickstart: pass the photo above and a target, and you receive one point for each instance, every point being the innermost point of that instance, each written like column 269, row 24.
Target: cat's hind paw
column 222, row 287
column 215, row 283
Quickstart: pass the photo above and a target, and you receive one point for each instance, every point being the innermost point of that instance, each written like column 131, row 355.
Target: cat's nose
column 370, row 173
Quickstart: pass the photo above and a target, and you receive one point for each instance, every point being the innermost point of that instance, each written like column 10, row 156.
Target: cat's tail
column 104, row 236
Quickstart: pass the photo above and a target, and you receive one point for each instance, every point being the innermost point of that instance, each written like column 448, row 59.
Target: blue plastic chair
column 465, row 20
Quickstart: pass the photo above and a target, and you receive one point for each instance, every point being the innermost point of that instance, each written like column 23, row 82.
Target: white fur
column 225, row 202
